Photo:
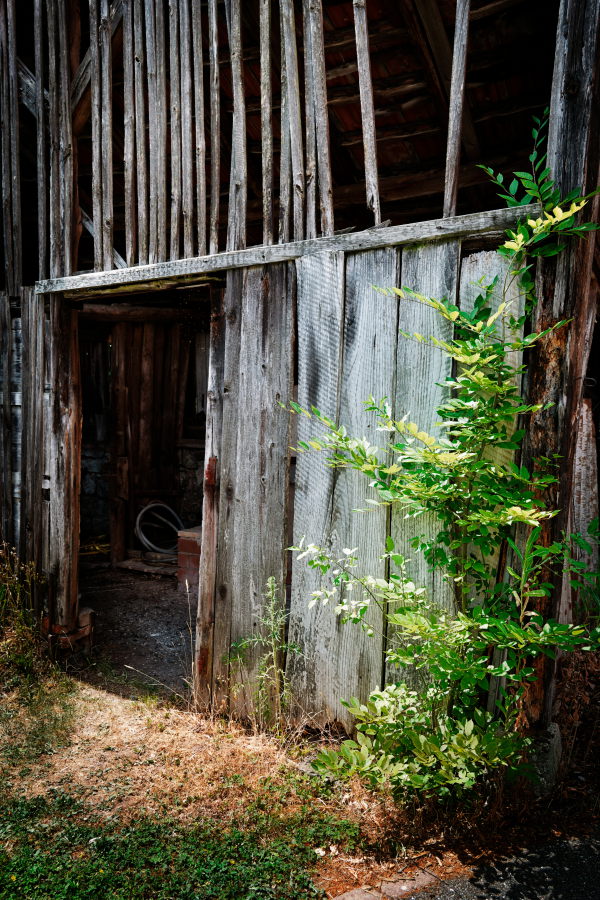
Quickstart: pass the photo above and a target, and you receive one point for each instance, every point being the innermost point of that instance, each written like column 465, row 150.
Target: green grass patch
column 58, row 848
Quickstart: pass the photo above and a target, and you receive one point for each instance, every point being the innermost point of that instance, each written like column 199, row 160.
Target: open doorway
column 144, row 371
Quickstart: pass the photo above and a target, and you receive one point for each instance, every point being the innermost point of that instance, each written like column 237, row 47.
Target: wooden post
column 315, row 16
column 140, row 132
column 215, row 127
column 129, row 161
column 40, row 113
column 457, row 94
column 205, row 620
column 104, row 229
column 199, row 132
column 290, row 50
column 563, row 286
column 367, row 108
column 238, row 175
column 64, row 439
column 266, row 125
column 175, row 127
column 187, row 166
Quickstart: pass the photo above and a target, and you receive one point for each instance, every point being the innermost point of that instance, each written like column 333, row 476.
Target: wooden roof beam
column 428, row 30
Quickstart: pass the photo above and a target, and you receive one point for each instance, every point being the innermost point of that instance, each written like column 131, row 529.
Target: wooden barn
column 197, row 198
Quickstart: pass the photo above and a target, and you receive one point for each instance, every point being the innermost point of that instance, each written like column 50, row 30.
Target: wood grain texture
column 368, row 368
column 215, row 127
column 457, row 95
column 64, row 444
column 285, row 157
column 261, row 484
column 56, row 248
column 129, row 159
column 227, row 513
column 238, row 175
column 558, row 368
column 311, row 128
column 290, row 50
column 266, row 123
column 40, row 110
column 315, row 16
column 161, row 127
column 67, row 148
column 367, row 108
column 494, row 221
column 153, row 136
column 187, row 130
column 6, row 159
column 12, row 125
column 205, row 618
column 105, row 227
column 432, row 271
column 141, row 154
column 199, row 127
column 175, row 128
column 320, row 293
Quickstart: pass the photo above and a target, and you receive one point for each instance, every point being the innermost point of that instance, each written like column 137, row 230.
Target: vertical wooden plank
column 96, row 141
column 285, row 160
column 153, row 151
column 119, row 481
column 367, row 108
column 5, row 156
column 558, row 367
column 175, row 127
column 13, row 128
column 288, row 35
column 320, row 312
column 187, row 167
column 106, row 134
column 140, row 131
column 56, row 244
column 161, row 130
column 431, row 270
column 129, row 160
column 311, row 131
column 368, row 369
column 65, row 141
column 64, row 436
column 6, row 430
column 205, row 619
column 40, row 113
column 236, row 221
column 215, row 129
column 266, row 125
column 262, row 460
column 457, row 96
column 321, row 116
column 199, row 132
column 224, row 596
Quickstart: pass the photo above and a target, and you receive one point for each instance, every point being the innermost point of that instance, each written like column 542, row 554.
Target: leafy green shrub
column 438, row 736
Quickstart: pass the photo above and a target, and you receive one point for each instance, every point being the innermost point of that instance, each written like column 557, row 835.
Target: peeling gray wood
column 129, row 160
column 175, row 127
column 187, row 132
column 367, row 108
column 285, row 159
column 311, row 128
column 238, row 175
column 215, row 127
column 261, row 486
column 56, row 244
column 82, row 79
column 420, row 370
column 205, row 619
column 65, row 142
column 491, row 222
column 288, row 33
column 105, row 227
column 320, row 303
column 266, row 124
column 161, row 130
column 199, row 132
column 457, row 95
column 141, row 156
column 12, row 123
column 315, row 14
column 153, row 136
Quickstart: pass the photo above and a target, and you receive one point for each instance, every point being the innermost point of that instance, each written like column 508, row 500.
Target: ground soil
column 143, row 631
column 136, row 747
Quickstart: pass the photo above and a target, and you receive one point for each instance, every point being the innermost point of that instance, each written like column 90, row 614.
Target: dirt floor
column 143, row 631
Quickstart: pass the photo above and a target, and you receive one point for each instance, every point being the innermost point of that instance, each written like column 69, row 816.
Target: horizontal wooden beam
column 127, row 312
column 91, row 283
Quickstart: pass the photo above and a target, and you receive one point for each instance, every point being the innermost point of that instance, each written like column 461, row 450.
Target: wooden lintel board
column 372, row 239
